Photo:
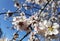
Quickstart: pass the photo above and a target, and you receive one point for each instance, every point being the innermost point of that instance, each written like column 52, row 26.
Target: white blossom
column 18, row 21
column 53, row 29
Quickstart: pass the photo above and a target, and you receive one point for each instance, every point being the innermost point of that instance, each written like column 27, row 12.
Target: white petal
column 18, row 28
column 49, row 24
column 55, row 25
column 50, row 32
column 41, row 26
column 45, row 22
column 35, row 25
column 14, row 18
column 35, row 17
column 55, row 32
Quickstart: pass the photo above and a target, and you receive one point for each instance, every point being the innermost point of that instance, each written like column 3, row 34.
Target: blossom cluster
column 47, row 24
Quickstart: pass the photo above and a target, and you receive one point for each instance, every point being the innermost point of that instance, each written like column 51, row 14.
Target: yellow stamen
column 50, row 28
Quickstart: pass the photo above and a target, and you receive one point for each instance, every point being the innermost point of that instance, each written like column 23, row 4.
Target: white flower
column 19, row 22
column 49, row 28
column 53, row 29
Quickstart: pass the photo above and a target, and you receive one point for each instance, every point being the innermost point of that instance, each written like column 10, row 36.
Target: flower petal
column 55, row 32
column 55, row 25
column 45, row 22
column 49, row 23
column 41, row 26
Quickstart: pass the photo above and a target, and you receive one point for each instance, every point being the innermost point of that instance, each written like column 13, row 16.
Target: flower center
column 21, row 24
column 50, row 28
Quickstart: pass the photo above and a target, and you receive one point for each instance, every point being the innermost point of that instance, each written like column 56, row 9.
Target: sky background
column 9, row 5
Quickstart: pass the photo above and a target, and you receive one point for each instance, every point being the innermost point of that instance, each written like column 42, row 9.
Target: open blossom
column 17, row 21
column 20, row 22
column 51, row 28
column 47, row 28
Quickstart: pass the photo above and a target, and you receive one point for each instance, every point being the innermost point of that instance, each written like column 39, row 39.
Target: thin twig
column 43, row 8
column 25, row 36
